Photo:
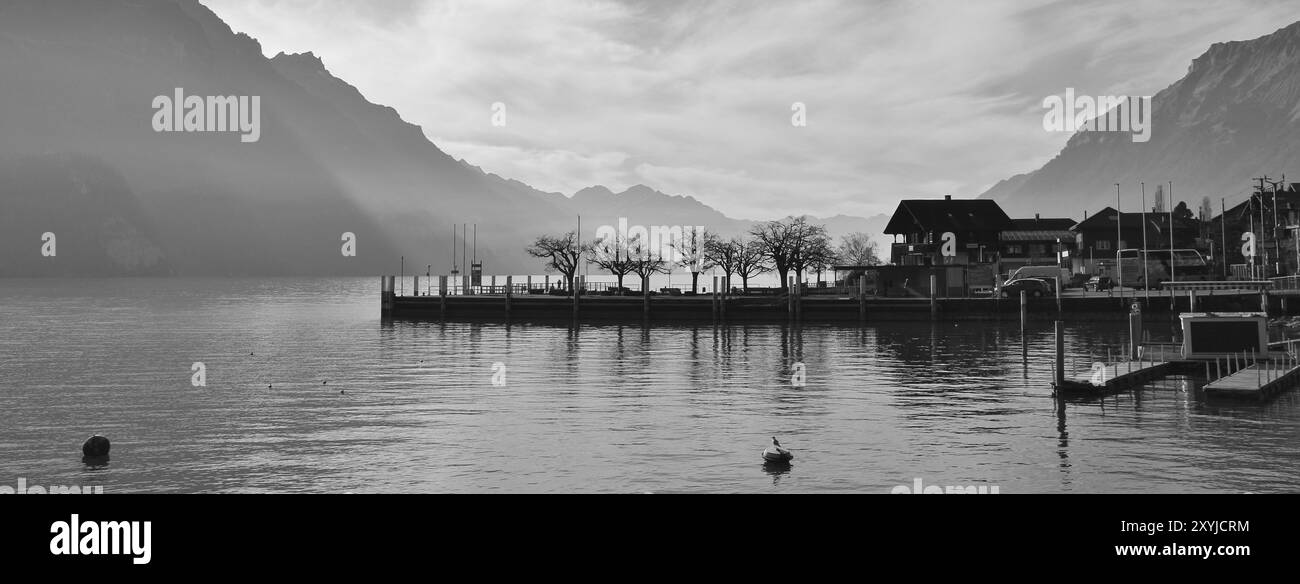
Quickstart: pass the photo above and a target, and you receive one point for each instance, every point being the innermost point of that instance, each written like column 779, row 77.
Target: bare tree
column 751, row 261
column 724, row 255
column 645, row 262
column 858, row 249
column 793, row 245
column 613, row 257
column 691, row 250
column 563, row 254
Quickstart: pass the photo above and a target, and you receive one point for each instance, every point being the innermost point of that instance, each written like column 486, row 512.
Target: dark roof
column 956, row 215
column 1036, row 235
column 1045, row 224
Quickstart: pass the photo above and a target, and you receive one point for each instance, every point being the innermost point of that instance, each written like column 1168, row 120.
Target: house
column 1036, row 242
column 1274, row 218
column 1100, row 236
column 919, row 226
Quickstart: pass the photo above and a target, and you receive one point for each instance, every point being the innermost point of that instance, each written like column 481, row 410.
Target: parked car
column 1099, row 283
column 1033, row 287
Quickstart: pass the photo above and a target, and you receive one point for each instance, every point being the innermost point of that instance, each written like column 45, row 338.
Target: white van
column 1046, row 272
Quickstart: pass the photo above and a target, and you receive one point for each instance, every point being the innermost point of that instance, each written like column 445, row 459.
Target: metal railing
column 1219, row 285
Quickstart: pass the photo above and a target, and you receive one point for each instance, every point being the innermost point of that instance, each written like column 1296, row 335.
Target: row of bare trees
column 790, row 246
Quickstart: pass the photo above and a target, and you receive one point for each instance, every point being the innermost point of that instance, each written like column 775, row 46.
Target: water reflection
column 607, row 408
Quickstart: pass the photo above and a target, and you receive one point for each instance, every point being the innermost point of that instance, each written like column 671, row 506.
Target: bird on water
column 775, row 453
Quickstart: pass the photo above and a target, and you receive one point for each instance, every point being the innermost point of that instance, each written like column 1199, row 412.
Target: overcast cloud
column 904, row 98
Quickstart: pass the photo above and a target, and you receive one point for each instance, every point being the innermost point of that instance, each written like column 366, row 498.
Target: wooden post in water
column 1024, row 309
column 862, row 298
column 798, row 299
column 415, row 286
column 1060, row 352
column 573, row 283
column 1134, row 333
column 385, row 296
column 645, row 303
column 1263, row 301
column 1058, row 295
column 714, row 298
column 1191, row 301
column 509, row 291
column 528, row 283
column 789, row 306
column 934, row 301
column 442, row 295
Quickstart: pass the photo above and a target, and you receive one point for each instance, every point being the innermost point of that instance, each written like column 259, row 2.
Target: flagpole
column 1146, row 274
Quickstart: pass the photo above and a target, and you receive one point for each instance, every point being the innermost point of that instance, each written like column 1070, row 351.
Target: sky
column 902, row 98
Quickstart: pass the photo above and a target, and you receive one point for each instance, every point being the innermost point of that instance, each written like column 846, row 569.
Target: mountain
column 642, row 205
column 1233, row 117
column 80, row 157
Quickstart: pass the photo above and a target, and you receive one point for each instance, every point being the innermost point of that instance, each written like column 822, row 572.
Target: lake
column 307, row 391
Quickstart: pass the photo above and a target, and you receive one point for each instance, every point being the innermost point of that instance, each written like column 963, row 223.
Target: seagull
column 775, row 453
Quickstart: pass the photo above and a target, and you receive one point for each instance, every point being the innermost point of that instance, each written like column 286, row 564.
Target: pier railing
column 1220, row 285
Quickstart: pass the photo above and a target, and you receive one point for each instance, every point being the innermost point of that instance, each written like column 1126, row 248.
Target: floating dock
column 1255, row 382
column 1115, row 378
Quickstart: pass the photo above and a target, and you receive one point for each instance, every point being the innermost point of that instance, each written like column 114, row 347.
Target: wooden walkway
column 1114, row 378
column 1256, row 382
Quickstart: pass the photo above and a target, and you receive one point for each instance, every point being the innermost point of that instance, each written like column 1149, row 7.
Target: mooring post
column 1060, row 352
column 1218, row 372
column 573, row 283
column 1263, row 301
column 442, row 295
column 509, row 291
column 1191, row 301
column 415, row 286
column 714, row 298
column 645, row 302
column 934, row 300
column 725, row 294
column 1024, row 310
column 1134, row 330
column 798, row 299
column 789, row 306
column 465, row 290
column 862, row 298
column 385, row 296
column 1058, row 295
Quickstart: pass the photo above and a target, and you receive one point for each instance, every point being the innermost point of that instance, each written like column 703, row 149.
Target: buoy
column 775, row 453
column 324, row 383
column 96, row 447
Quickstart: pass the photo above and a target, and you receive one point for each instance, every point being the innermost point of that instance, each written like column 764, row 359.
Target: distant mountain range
column 1233, row 117
column 79, row 158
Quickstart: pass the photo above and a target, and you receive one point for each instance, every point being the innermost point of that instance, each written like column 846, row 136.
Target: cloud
column 905, row 98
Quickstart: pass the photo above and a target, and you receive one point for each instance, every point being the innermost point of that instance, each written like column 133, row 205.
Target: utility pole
column 1146, row 274
column 1223, row 227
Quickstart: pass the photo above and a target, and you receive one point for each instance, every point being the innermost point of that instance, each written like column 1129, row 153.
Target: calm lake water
column 621, row 409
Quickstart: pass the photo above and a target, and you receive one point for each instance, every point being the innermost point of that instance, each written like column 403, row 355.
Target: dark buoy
column 775, row 453
column 324, row 383
column 96, row 448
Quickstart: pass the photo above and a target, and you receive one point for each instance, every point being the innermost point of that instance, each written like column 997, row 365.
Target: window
column 1039, row 249
column 1013, row 250
column 1103, row 245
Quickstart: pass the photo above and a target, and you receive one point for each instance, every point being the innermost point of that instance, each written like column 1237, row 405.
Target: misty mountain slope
column 1233, row 117
column 77, row 82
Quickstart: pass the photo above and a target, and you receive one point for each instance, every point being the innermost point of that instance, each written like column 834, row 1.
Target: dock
column 1256, row 382
column 1107, row 379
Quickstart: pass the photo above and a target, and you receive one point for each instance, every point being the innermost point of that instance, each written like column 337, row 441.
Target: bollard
column 862, row 298
column 1060, row 352
column 442, row 295
column 509, row 291
column 934, row 300
column 1024, row 309
column 714, row 298
column 789, row 300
